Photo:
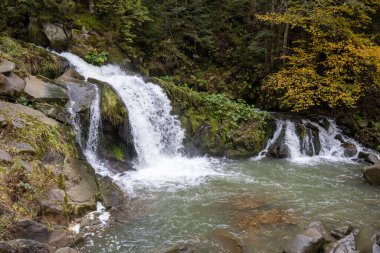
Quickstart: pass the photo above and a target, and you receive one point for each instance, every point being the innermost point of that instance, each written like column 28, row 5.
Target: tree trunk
column 285, row 43
column 91, row 6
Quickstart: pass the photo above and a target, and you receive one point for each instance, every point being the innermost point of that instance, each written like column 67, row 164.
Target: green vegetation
column 112, row 107
column 97, row 58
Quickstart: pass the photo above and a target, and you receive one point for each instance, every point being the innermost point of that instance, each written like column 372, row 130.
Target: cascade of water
column 292, row 140
column 279, row 125
column 95, row 124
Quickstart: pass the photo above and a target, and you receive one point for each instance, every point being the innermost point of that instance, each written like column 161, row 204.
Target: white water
column 331, row 148
column 156, row 132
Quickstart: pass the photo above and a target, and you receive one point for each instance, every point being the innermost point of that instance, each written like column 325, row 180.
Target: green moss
column 30, row 59
column 113, row 108
column 119, row 154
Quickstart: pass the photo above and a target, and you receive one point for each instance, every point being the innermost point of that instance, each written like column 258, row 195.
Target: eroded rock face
column 43, row 91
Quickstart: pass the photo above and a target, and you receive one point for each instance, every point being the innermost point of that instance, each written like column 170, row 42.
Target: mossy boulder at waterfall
column 117, row 141
column 217, row 125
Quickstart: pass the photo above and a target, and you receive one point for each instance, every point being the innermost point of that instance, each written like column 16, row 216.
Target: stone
column 70, row 75
column 66, row 250
column 22, row 148
column 341, row 232
column 53, row 201
column 311, row 240
column 28, row 246
column 58, row 36
column 11, row 86
column 6, row 66
column 6, row 248
column 345, row 245
column 43, row 91
column 14, row 110
column 175, row 249
column 376, row 243
column 58, row 113
column 60, row 238
column 279, row 149
column 5, row 157
column 350, row 149
column 112, row 195
column 28, row 229
column 372, row 174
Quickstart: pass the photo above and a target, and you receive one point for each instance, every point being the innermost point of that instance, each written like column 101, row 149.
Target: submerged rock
column 175, row 249
column 311, row 240
column 224, row 241
column 372, row 174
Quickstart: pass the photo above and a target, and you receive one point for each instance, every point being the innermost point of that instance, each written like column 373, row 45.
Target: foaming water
column 157, row 133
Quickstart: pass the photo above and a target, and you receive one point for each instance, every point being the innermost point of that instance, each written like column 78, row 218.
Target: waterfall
column 156, row 132
column 306, row 141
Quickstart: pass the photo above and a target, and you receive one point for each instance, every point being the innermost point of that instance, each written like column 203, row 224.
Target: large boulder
column 279, row 149
column 42, row 91
column 58, row 36
column 24, row 246
column 311, row 240
column 372, row 174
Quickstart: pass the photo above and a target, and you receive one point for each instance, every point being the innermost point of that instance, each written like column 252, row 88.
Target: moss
column 118, row 153
column 30, row 59
column 113, row 108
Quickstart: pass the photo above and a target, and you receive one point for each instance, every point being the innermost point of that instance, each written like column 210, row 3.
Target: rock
column 279, row 149
column 11, row 86
column 71, row 75
column 13, row 110
column 42, row 91
column 28, row 246
column 324, row 122
column 58, row 36
column 6, row 248
column 28, row 229
column 53, row 202
column 60, row 238
column 58, row 113
column 66, row 250
column 5, row 157
column 350, row 149
column 22, row 148
column 341, row 232
column 372, row 174
column 112, row 195
column 6, row 66
column 376, row 243
column 226, row 242
column 345, row 245
column 373, row 158
column 311, row 240
column 175, row 249
column 81, row 186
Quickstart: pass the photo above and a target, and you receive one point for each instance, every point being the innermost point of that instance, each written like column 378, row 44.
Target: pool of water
column 260, row 204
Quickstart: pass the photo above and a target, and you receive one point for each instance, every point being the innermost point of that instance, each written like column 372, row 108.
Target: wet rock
column 66, row 250
column 6, row 66
column 112, row 195
column 175, row 249
column 350, row 149
column 279, row 149
column 53, row 201
column 340, row 138
column 225, row 242
column 340, row 232
column 58, row 36
column 325, row 123
column 345, row 245
column 376, row 243
column 311, row 240
column 42, row 91
column 5, row 157
column 372, row 174
column 70, row 75
column 28, row 246
column 28, row 229
column 11, row 86
column 60, row 238
column 22, row 148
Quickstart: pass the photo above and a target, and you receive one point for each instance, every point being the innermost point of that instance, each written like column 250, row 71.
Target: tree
column 334, row 63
